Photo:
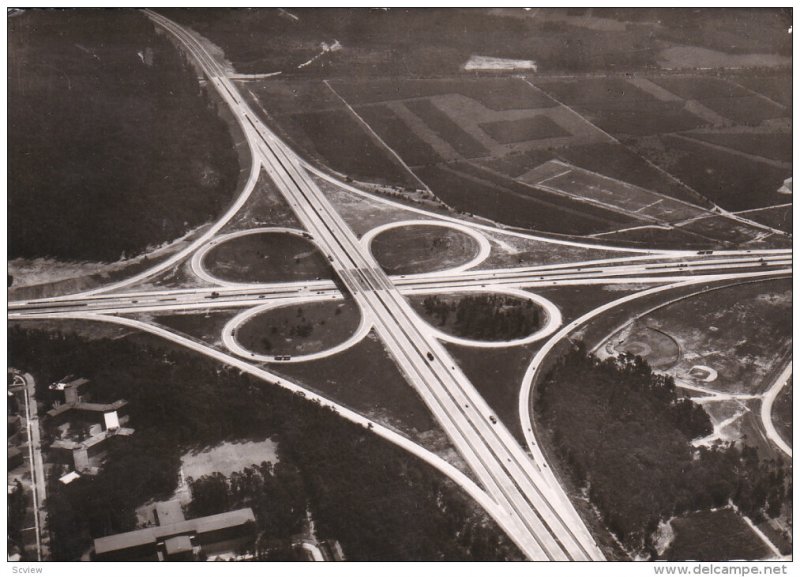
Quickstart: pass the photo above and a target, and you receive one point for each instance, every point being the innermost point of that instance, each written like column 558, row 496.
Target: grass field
column 300, row 329
column 700, row 87
column 267, row 257
column 723, row 229
column 317, row 123
column 575, row 301
column 633, row 201
column 493, row 93
column 621, row 108
column 725, row 98
column 731, row 181
column 668, row 117
column 745, row 110
column 508, row 125
column 206, row 326
column 606, row 158
column 720, row 535
column 779, row 217
column 511, row 251
column 531, row 128
column 778, row 87
column 502, row 199
column 366, row 379
column 650, row 237
column 420, row 248
column 595, row 90
column 345, row 145
column 398, row 136
column 661, row 351
column 497, row 375
column 707, row 329
column 265, row 207
column 446, row 128
column 775, row 146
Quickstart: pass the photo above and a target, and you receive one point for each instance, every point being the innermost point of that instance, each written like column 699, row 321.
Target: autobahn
column 545, row 525
column 535, row 511
column 645, row 271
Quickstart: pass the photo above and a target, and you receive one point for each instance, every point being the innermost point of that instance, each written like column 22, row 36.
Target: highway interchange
column 514, row 484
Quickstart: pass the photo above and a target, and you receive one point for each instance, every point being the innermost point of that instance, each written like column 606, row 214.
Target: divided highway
column 647, row 270
column 541, row 520
column 526, row 499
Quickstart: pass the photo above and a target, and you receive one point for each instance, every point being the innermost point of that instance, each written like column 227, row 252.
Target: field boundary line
column 572, row 110
column 554, row 176
column 656, row 226
column 375, row 134
column 600, row 203
column 734, row 152
column 493, row 227
column 616, row 141
column 784, row 205
column 758, row 94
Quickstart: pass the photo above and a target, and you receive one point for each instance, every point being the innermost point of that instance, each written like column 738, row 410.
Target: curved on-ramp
column 484, row 247
column 766, row 410
column 499, row 514
column 232, row 343
column 198, row 258
column 531, row 374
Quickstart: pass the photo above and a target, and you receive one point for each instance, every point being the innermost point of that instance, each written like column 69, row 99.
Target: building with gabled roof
column 229, row 532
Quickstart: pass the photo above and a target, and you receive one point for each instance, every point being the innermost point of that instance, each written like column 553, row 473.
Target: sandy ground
column 696, row 57
column 228, row 458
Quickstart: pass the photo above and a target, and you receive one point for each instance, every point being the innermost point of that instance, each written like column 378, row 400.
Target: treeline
column 276, row 493
column 624, row 433
column 16, row 509
column 113, row 144
column 486, row 317
column 376, row 499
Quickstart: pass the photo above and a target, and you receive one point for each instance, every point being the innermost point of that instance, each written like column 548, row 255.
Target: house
column 87, row 412
column 69, row 478
column 86, row 454
column 69, row 391
column 181, row 540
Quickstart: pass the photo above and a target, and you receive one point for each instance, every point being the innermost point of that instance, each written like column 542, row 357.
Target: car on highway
column 430, row 356
column 493, row 419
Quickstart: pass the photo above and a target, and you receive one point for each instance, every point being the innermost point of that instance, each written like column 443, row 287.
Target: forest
column 378, row 501
column 624, row 433
column 114, row 146
column 485, row 317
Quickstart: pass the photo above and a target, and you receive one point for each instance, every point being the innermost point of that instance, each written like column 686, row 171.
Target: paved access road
column 518, row 491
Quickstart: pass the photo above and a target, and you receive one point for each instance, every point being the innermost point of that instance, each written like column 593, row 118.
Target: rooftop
column 60, row 386
column 91, row 407
column 175, row 545
column 169, row 512
column 142, row 537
